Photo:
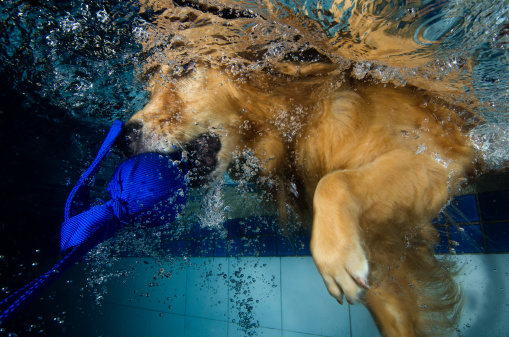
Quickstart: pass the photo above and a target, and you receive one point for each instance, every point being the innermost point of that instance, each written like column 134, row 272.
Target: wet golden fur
column 374, row 164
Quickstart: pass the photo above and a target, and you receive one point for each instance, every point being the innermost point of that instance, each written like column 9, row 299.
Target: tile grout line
column 481, row 224
column 281, row 290
column 186, row 295
column 350, row 319
column 228, row 296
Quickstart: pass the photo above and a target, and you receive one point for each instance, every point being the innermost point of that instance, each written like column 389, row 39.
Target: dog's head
column 190, row 112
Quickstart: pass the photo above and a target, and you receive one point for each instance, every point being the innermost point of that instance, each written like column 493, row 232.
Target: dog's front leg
column 335, row 242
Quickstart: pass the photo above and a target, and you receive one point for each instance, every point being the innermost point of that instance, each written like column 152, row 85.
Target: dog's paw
column 344, row 269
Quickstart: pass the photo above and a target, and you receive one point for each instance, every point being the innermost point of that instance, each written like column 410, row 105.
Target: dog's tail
column 437, row 293
column 420, row 286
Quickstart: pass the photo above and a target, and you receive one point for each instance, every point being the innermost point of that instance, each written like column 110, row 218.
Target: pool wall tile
column 285, row 247
column 467, row 239
column 221, row 248
column 303, row 245
column 268, row 246
column 261, row 225
column 251, row 246
column 194, row 247
column 235, row 247
column 497, row 237
column 469, row 224
column 463, row 209
column 494, row 205
column 443, row 243
column 235, row 227
column 195, row 230
column 207, row 247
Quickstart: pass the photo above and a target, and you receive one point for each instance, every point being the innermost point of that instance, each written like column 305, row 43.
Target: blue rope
column 138, row 185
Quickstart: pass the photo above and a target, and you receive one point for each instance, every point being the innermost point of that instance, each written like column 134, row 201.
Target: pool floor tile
column 207, row 289
column 307, row 306
column 164, row 324
column 234, row 330
column 255, row 292
column 119, row 320
column 362, row 322
column 484, row 282
column 200, row 327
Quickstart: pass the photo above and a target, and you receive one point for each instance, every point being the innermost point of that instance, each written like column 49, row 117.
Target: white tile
column 255, row 292
column 234, row 330
column 200, row 327
column 119, row 320
column 129, row 286
column 307, row 307
column 167, row 288
column 148, row 284
column 362, row 322
column 207, row 288
column 164, row 324
column 485, row 282
column 298, row 334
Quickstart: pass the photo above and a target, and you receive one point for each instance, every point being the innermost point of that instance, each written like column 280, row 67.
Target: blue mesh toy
column 137, row 186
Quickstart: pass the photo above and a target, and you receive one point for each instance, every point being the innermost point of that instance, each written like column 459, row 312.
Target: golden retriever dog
column 373, row 164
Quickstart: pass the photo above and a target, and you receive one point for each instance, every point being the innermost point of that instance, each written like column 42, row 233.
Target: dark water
column 68, row 69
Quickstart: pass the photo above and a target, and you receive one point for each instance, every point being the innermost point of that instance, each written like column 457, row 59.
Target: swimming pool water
column 67, row 69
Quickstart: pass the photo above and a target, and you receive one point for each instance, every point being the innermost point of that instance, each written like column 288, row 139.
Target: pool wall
column 271, row 296
column 255, row 282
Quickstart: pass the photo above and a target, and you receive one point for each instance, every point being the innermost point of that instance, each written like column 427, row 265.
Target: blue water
column 68, row 69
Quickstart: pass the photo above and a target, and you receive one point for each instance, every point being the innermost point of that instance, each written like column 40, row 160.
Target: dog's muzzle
column 130, row 138
column 201, row 152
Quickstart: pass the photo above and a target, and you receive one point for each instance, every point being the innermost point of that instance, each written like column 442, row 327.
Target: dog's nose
column 130, row 136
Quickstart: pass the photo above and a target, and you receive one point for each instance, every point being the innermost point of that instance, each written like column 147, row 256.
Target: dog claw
column 349, row 300
column 340, row 300
column 363, row 283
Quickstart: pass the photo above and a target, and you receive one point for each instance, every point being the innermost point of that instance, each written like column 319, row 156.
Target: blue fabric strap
column 137, row 186
column 79, row 198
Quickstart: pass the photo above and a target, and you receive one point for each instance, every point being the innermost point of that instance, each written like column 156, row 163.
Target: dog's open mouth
column 201, row 152
column 202, row 157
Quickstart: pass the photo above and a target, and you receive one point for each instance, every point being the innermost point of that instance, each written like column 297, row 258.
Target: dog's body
column 374, row 163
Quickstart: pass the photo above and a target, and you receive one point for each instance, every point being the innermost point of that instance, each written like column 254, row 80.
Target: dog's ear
column 183, row 70
column 149, row 73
